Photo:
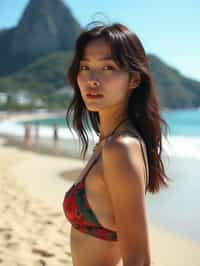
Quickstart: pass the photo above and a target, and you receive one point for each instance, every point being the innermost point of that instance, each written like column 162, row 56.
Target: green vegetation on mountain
column 47, row 75
column 174, row 90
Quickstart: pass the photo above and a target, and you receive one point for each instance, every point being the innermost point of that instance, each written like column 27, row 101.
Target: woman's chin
column 93, row 108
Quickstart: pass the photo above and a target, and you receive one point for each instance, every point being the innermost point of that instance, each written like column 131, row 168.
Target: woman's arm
column 124, row 174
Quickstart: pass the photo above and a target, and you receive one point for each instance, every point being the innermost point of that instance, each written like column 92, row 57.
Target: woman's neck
column 110, row 118
column 109, row 127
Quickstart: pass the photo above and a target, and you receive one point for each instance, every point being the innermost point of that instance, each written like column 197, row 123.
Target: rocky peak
column 45, row 26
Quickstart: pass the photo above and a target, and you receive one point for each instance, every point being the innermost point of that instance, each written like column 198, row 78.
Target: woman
column 113, row 89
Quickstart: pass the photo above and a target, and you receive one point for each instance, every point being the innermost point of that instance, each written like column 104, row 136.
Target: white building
column 3, row 98
column 22, row 98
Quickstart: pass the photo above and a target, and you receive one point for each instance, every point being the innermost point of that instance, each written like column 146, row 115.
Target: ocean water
column 177, row 207
column 184, row 132
column 184, row 122
column 181, row 122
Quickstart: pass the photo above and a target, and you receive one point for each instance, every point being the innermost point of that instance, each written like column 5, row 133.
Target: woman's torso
column 88, row 250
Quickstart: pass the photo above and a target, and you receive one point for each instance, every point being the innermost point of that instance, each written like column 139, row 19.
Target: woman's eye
column 106, row 67
column 83, row 68
column 109, row 68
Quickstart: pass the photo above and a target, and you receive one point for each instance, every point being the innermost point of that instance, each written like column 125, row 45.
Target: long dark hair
column 143, row 105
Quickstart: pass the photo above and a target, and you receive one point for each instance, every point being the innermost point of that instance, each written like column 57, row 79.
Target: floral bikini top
column 79, row 212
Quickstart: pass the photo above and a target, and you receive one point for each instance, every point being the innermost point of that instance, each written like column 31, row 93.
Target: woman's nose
column 94, row 79
column 94, row 83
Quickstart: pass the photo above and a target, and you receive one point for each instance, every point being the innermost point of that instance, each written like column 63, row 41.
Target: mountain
column 45, row 26
column 174, row 90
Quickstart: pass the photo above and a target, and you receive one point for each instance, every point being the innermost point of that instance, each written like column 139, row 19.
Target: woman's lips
column 90, row 96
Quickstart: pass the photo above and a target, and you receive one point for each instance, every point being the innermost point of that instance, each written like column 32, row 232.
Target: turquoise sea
column 181, row 122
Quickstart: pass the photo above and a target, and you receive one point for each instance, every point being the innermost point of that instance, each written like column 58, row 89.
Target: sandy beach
column 33, row 229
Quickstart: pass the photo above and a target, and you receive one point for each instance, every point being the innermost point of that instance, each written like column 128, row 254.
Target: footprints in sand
column 42, row 252
column 31, row 233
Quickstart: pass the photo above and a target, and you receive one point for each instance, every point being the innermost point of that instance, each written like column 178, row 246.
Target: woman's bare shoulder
column 123, row 152
column 123, row 137
column 121, row 144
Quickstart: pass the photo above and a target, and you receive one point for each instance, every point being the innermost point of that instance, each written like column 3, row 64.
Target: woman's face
column 99, row 73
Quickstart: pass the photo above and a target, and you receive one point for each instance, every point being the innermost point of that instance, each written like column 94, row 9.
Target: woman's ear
column 135, row 80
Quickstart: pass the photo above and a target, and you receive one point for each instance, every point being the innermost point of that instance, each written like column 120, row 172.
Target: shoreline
column 173, row 145
column 24, row 115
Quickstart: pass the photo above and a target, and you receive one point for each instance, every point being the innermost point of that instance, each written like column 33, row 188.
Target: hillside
column 46, row 75
column 174, row 89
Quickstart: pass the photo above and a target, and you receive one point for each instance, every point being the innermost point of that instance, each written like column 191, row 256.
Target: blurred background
column 40, row 156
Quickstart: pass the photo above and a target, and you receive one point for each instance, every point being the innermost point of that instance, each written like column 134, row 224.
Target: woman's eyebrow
column 100, row 59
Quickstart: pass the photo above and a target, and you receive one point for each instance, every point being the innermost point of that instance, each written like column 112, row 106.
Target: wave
column 179, row 146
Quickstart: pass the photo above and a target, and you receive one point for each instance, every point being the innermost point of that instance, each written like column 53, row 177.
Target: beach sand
column 33, row 229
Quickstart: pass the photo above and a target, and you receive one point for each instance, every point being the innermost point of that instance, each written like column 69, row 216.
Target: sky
column 168, row 29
